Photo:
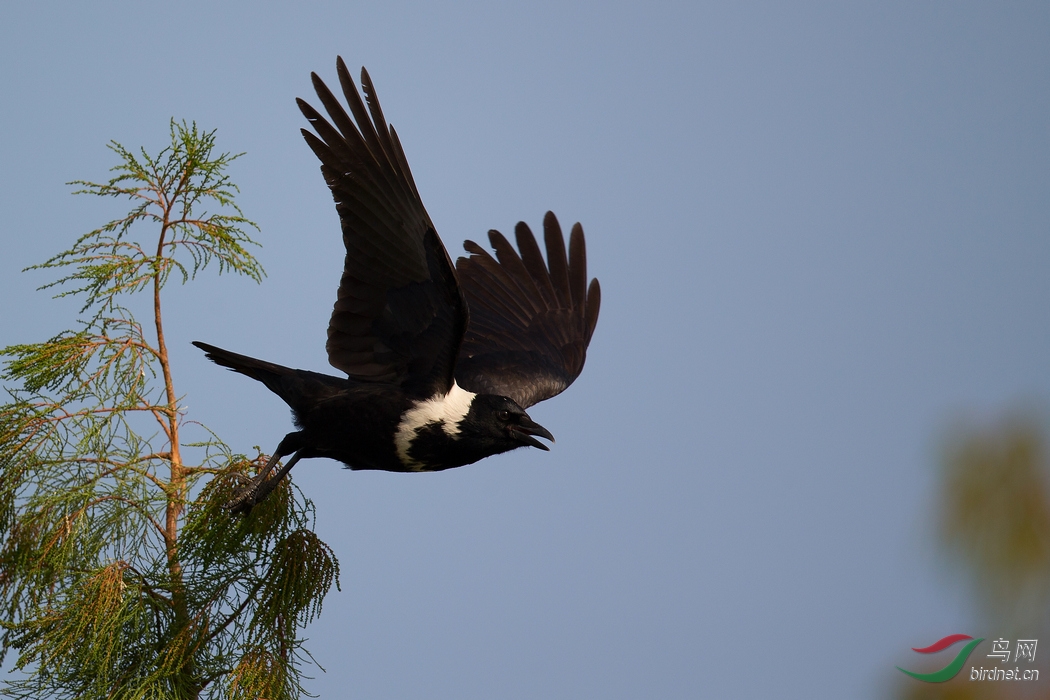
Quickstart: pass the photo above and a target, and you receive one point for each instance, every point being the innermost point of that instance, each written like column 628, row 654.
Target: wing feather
column 399, row 315
column 533, row 260
column 530, row 321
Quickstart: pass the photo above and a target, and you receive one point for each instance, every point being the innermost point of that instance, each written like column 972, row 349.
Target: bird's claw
column 247, row 496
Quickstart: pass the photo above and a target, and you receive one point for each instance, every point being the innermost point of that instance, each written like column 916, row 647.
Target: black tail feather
column 265, row 372
column 299, row 388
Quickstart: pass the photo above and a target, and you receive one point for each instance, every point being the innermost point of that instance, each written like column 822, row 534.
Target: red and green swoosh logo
column 951, row 669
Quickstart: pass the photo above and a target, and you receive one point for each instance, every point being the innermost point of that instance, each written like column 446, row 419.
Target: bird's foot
column 251, row 491
column 258, row 488
column 248, row 495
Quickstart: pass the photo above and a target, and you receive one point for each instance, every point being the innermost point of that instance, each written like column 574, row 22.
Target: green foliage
column 166, row 189
column 121, row 574
column 995, row 518
column 994, row 522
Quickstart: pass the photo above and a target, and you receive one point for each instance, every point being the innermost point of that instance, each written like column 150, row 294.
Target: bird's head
column 502, row 424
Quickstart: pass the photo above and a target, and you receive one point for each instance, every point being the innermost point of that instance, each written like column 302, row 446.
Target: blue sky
column 822, row 235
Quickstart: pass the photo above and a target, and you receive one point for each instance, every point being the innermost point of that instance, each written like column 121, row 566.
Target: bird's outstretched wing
column 530, row 322
column 399, row 316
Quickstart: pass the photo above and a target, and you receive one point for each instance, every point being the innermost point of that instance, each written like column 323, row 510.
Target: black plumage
column 441, row 360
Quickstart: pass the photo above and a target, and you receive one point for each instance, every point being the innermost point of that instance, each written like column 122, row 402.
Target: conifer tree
column 121, row 574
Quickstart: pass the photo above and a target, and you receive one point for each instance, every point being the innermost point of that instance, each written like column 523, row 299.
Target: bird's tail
column 266, row 372
column 299, row 388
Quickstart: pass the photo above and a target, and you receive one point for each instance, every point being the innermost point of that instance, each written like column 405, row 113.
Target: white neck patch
column 446, row 410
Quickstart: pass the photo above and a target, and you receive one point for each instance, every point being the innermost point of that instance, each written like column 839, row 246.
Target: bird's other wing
column 530, row 322
column 399, row 316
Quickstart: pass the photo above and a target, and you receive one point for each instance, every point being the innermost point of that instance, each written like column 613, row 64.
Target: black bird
column 442, row 361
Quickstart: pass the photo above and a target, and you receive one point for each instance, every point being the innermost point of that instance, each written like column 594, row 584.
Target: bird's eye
column 503, row 415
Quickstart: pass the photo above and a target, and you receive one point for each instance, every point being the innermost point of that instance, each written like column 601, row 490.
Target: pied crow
column 441, row 360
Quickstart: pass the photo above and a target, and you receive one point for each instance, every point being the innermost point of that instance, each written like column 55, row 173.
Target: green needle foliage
column 995, row 518
column 121, row 575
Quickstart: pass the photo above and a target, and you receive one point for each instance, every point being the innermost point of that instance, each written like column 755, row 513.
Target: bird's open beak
column 526, row 428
